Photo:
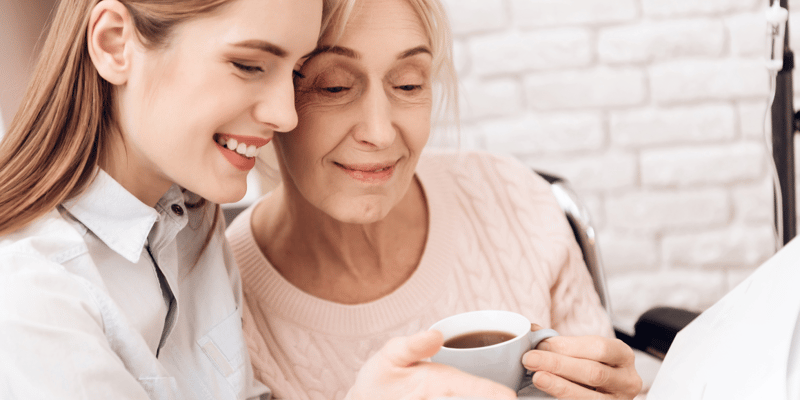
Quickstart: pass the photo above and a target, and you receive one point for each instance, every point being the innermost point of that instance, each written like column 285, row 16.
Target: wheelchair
column 654, row 330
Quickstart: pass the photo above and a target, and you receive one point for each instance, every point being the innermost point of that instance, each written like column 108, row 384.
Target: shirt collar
column 116, row 216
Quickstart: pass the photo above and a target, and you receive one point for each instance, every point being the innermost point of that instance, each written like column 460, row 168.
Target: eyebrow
column 350, row 53
column 266, row 47
column 415, row 51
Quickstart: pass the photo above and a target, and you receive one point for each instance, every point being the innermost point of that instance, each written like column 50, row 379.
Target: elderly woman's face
column 364, row 109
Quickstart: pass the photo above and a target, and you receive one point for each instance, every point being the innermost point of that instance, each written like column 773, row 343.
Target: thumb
column 404, row 351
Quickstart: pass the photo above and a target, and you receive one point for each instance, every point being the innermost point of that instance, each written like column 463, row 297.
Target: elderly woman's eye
column 336, row 89
column 409, row 88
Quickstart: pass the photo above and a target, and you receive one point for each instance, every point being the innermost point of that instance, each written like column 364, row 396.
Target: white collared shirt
column 108, row 298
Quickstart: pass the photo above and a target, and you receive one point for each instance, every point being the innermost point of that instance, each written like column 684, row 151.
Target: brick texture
column 653, row 109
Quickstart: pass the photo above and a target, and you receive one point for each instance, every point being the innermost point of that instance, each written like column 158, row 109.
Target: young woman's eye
column 248, row 69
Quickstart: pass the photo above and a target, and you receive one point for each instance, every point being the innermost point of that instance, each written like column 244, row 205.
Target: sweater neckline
column 277, row 297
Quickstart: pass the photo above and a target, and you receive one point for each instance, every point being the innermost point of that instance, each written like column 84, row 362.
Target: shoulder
column 33, row 279
column 50, row 239
column 479, row 166
column 456, row 158
column 483, row 175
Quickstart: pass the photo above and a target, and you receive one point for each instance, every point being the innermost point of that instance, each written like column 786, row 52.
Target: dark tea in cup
column 478, row 339
column 489, row 344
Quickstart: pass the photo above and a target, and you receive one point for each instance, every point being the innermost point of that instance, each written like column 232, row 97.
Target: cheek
column 318, row 132
column 418, row 128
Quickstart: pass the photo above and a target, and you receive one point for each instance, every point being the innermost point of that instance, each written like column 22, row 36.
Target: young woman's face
column 364, row 110
column 225, row 77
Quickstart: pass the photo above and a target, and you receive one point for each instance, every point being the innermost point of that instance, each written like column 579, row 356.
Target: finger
column 561, row 388
column 578, row 370
column 452, row 382
column 543, row 344
column 597, row 348
column 404, row 351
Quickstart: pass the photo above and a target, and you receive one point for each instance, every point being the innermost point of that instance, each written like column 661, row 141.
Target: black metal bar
column 783, row 130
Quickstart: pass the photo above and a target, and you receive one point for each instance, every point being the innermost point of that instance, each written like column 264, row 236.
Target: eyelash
column 248, row 69
column 335, row 89
column 297, row 74
column 409, row 88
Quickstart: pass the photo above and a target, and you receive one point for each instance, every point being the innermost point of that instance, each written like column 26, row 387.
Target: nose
column 275, row 105
column 377, row 129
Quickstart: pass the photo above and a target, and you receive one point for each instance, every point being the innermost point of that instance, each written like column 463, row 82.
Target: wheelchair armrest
column 655, row 330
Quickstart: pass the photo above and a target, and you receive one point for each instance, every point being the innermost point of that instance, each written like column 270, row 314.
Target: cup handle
column 541, row 334
column 536, row 337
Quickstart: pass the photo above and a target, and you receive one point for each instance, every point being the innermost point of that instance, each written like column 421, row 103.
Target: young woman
column 115, row 279
column 115, row 282
column 367, row 237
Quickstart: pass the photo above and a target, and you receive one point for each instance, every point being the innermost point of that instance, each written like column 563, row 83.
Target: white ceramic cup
column 500, row 362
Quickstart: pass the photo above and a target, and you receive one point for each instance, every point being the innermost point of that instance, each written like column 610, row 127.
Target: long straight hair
column 64, row 124
column 67, row 117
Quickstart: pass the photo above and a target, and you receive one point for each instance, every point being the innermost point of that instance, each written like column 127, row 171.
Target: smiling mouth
column 240, row 147
column 364, row 168
column 368, row 173
column 240, row 151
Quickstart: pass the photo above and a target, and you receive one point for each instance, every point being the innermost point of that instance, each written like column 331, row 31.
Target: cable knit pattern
column 496, row 240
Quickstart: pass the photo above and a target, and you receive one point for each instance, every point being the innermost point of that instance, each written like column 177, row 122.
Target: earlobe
column 110, row 41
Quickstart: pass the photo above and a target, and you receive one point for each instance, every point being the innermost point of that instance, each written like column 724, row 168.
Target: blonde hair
column 434, row 20
column 63, row 128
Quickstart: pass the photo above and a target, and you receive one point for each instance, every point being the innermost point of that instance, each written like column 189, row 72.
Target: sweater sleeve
column 576, row 308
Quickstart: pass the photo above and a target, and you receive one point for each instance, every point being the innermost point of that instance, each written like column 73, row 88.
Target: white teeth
column 241, row 148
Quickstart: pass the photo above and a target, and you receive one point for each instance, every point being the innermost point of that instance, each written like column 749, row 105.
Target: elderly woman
column 367, row 238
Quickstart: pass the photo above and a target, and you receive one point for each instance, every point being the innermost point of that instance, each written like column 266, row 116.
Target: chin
column 362, row 213
column 224, row 194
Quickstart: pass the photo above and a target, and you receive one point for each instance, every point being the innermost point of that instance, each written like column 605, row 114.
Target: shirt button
column 178, row 210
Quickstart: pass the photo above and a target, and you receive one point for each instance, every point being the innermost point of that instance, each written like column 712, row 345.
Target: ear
column 111, row 41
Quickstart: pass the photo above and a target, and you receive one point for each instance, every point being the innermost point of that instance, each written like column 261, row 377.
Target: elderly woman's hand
column 584, row 367
column 398, row 372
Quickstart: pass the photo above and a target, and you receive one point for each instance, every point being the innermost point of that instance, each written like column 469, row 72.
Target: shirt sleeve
column 52, row 341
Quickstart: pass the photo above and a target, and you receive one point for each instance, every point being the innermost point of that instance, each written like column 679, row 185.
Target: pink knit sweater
column 497, row 240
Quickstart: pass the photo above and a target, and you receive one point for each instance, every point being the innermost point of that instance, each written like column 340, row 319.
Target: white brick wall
column 653, row 109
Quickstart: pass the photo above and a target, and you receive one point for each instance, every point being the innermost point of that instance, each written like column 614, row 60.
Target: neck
column 128, row 170
column 338, row 261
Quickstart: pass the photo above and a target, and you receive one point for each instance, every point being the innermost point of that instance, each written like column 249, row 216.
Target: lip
column 374, row 173
column 237, row 160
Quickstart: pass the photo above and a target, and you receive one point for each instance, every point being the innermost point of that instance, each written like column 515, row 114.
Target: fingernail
column 528, row 358
column 541, row 380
